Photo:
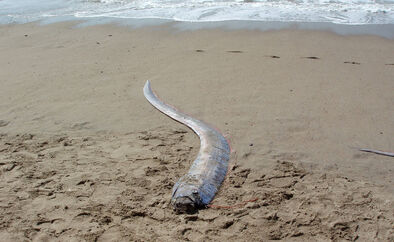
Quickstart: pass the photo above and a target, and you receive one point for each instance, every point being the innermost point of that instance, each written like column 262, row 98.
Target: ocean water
column 351, row 12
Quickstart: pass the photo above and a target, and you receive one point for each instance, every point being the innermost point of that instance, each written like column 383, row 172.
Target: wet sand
column 83, row 156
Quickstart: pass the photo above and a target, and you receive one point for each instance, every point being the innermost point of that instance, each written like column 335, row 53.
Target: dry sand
column 83, row 156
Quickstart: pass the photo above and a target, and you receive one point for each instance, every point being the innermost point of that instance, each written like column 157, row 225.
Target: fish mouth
column 186, row 205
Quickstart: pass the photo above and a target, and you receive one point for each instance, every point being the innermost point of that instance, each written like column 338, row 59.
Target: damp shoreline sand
column 84, row 156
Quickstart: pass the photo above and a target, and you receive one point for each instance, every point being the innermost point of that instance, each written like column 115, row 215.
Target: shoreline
column 381, row 30
column 84, row 155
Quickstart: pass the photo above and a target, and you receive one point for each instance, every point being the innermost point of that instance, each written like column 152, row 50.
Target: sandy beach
column 84, row 157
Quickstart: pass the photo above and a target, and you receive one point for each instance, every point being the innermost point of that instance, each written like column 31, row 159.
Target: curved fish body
column 198, row 187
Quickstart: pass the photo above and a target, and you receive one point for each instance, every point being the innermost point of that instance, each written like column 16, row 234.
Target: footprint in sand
column 289, row 156
column 235, row 51
column 352, row 62
column 3, row 123
column 361, row 155
column 311, row 57
column 79, row 126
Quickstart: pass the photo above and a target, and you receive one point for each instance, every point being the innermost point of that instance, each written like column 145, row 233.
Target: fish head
column 186, row 198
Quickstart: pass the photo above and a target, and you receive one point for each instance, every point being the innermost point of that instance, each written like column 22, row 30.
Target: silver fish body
column 198, row 187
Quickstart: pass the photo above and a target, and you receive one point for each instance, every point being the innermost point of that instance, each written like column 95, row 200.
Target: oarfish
column 198, row 187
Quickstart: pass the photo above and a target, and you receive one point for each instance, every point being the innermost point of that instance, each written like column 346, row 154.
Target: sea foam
column 333, row 11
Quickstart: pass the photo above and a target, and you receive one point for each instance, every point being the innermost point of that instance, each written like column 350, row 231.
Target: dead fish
column 197, row 188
